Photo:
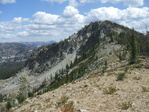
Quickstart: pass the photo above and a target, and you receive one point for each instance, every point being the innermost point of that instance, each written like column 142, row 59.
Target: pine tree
column 23, row 90
column 24, row 86
column 1, row 98
column 147, row 45
column 134, row 52
column 8, row 105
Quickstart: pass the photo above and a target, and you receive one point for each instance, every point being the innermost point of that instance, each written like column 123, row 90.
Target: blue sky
column 45, row 20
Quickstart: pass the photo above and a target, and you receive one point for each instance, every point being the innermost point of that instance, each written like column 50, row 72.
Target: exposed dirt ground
column 92, row 95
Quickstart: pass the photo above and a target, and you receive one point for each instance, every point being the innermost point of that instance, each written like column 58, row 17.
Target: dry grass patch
column 145, row 89
column 125, row 105
column 137, row 78
column 92, row 76
column 69, row 107
column 63, row 100
column 110, row 90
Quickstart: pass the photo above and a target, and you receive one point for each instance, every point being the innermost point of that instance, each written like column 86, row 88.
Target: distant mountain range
column 38, row 43
column 13, row 56
column 18, row 52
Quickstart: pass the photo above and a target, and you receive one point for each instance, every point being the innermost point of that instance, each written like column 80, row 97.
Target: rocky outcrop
column 47, row 57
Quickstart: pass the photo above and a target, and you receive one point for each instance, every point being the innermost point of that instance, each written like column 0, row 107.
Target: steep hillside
column 97, row 48
column 96, row 93
column 78, row 44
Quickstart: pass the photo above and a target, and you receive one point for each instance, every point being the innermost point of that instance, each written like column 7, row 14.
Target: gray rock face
column 47, row 57
column 14, row 52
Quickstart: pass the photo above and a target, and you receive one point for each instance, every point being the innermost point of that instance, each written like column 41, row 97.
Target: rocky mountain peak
column 47, row 57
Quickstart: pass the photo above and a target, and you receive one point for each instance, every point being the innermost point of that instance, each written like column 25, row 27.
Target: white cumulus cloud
column 23, row 33
column 56, row 1
column 70, row 2
column 111, row 13
column 70, row 11
column 135, row 13
column 9, row 30
column 126, row 2
column 46, row 18
column 104, row 13
column 19, row 20
column 7, row 1
column 87, row 1
column 134, row 2
column 9, row 26
column 73, row 3
column 140, row 25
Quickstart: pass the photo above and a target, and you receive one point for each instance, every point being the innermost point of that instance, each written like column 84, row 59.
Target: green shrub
column 104, row 67
column 110, row 90
column 136, row 78
column 145, row 89
column 30, row 94
column 126, row 69
column 21, row 98
column 121, row 76
column 8, row 105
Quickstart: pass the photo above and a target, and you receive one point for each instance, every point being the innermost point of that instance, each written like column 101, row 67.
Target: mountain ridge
column 98, row 30
column 96, row 49
column 48, row 60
